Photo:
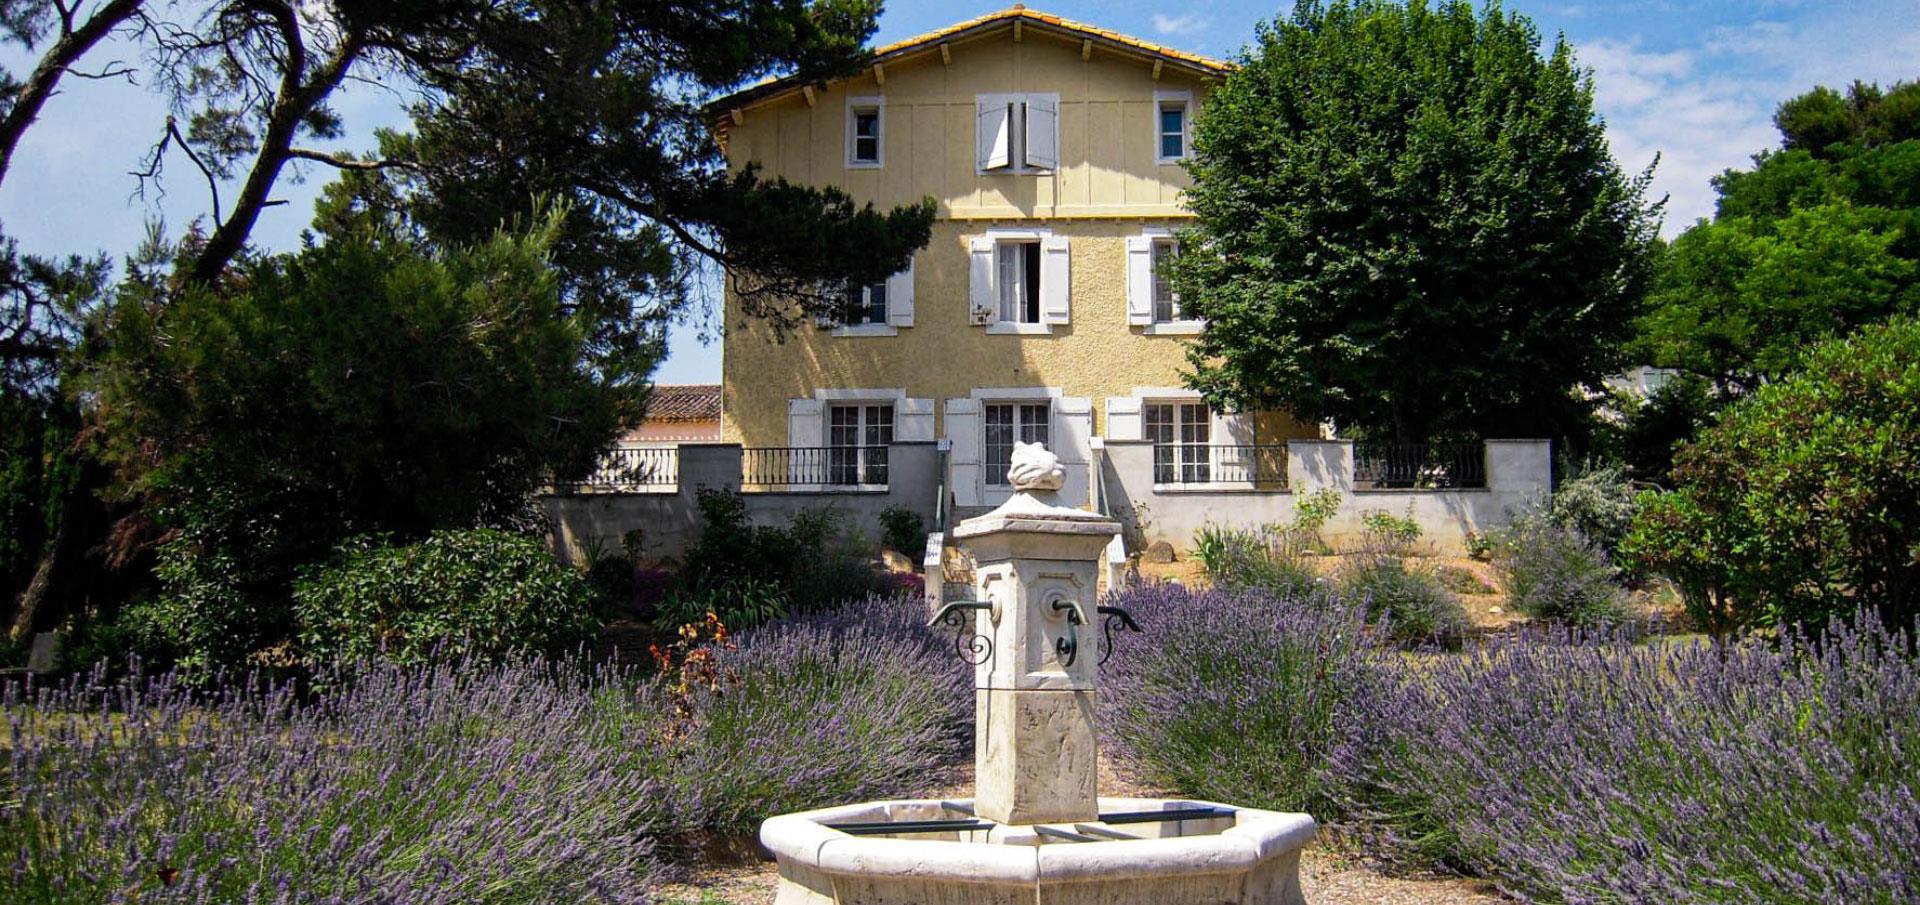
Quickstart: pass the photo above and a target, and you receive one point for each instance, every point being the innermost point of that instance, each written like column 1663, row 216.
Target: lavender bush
column 1677, row 773
column 466, row 782
column 849, row 705
column 1233, row 696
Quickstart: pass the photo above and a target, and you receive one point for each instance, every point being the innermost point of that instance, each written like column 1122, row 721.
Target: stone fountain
column 1036, row 831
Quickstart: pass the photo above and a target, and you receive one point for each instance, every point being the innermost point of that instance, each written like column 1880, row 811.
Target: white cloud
column 1179, row 25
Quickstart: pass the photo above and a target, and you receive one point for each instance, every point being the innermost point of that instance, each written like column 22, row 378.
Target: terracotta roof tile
column 684, row 402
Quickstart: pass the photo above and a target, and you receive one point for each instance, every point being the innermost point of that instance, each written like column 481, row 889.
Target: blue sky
column 1694, row 80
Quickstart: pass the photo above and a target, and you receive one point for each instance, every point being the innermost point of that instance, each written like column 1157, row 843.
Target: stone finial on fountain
column 1032, row 467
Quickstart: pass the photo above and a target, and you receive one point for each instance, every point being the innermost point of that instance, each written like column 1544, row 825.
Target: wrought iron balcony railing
column 776, row 468
column 1261, row 466
column 1419, row 466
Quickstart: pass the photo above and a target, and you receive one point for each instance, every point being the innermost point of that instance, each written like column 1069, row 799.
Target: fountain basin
column 1249, row 856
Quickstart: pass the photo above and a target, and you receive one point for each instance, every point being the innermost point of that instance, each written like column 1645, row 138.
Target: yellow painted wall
column 1107, row 187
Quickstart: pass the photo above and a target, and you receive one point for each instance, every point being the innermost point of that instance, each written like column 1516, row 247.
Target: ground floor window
column 857, row 438
column 1181, row 435
column 1009, row 421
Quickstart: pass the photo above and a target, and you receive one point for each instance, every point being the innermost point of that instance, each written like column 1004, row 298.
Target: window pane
column 1031, row 313
column 866, row 125
column 876, row 312
column 999, row 442
column 1033, row 423
column 1011, row 285
column 1163, row 307
column 1172, row 118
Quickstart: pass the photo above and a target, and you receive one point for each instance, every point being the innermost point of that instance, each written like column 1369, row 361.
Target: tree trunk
column 28, row 604
column 46, row 76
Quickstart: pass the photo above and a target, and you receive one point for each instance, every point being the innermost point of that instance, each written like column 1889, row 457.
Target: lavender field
column 1601, row 771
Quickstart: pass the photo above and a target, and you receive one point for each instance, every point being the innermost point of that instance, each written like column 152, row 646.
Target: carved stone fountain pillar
column 1036, row 562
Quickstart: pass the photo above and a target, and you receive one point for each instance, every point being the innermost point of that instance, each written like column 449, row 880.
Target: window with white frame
column 1017, row 133
column 1006, row 422
column 864, row 304
column 1166, row 302
column 1017, row 282
column 857, row 439
column 1171, row 120
column 1181, row 433
column 865, row 121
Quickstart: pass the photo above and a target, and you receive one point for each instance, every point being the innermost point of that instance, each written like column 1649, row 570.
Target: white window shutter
column 805, row 422
column 1123, row 418
column 1043, row 132
column 991, row 139
column 1073, row 426
column 1055, row 281
column 913, row 420
column 900, row 297
column 1139, row 280
column 985, row 310
column 963, row 429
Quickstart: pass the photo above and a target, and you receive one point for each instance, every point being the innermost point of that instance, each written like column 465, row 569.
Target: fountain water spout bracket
column 974, row 648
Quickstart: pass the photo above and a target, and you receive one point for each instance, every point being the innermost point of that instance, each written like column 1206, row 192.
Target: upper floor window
column 1172, row 128
column 865, row 305
column 1017, row 132
column 865, row 131
column 1018, row 285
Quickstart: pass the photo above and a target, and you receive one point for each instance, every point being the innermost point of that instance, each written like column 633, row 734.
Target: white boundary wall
column 1518, row 472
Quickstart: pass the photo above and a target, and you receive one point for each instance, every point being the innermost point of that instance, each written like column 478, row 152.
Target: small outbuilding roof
column 684, row 402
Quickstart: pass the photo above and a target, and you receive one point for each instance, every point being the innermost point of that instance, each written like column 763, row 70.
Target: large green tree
column 1819, row 237
column 1409, row 222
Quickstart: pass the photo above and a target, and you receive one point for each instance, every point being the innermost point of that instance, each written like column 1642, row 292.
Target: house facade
column 1039, row 311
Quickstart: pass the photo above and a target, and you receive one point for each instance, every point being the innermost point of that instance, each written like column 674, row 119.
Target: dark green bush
column 813, row 563
column 904, row 531
column 1803, row 501
column 457, row 593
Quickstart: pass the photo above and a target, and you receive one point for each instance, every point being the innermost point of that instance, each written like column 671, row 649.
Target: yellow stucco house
column 1038, row 311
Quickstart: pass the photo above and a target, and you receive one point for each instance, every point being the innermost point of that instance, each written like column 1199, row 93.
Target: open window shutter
column 980, row 282
column 805, row 422
column 1043, row 132
column 1139, row 280
column 963, row 428
column 913, row 420
column 1123, row 418
column 991, row 137
column 900, row 298
column 1055, row 281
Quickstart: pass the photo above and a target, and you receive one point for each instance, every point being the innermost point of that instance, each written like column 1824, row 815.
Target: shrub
column 1406, row 595
column 1311, row 513
column 904, row 531
column 1552, row 572
column 813, row 562
column 465, row 782
column 1804, row 499
column 1694, row 773
column 1233, row 696
column 1599, row 504
column 1386, row 530
column 457, row 593
column 858, row 703
column 1267, row 559
column 741, row 603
